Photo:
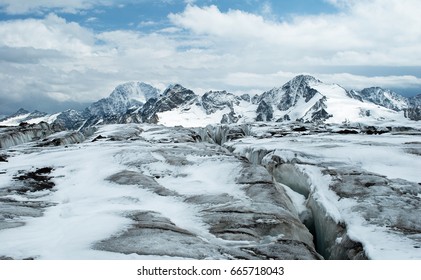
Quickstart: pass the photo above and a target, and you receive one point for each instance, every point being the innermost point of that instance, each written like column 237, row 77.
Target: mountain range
column 304, row 98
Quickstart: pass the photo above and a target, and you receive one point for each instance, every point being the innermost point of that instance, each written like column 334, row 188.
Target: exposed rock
column 70, row 119
column 114, row 108
column 13, row 136
column 385, row 98
column 34, row 181
column 347, row 131
column 245, row 97
column 173, row 97
column 3, row 158
column 229, row 118
column 264, row 112
column 213, row 101
column 413, row 112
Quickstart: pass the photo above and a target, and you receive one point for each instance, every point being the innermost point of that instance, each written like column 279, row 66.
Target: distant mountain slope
column 23, row 115
column 414, row 110
column 308, row 99
column 385, row 98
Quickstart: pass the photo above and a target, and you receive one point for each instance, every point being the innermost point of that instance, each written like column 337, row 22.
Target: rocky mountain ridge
column 304, row 98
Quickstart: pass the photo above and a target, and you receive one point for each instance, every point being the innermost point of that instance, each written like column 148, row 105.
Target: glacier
column 238, row 191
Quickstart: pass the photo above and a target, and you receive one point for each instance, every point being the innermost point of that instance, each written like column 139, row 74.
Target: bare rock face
column 264, row 112
column 173, row 97
column 413, row 111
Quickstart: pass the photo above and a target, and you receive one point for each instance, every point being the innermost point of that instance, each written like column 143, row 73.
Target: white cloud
column 375, row 32
column 359, row 82
column 91, row 19
column 64, row 61
column 51, row 33
column 189, row 2
column 147, row 23
column 30, row 6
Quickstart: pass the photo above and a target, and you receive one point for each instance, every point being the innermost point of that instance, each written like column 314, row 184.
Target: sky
column 59, row 54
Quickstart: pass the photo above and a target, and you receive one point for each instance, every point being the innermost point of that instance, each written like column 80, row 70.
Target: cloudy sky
column 56, row 54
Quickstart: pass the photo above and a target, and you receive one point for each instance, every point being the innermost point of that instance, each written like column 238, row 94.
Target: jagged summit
column 175, row 96
column 303, row 79
column 174, row 88
column 122, row 98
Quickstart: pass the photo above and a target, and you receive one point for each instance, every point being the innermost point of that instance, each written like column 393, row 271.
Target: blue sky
column 62, row 53
column 130, row 14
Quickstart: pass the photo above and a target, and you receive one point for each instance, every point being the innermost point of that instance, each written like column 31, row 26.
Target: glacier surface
column 249, row 191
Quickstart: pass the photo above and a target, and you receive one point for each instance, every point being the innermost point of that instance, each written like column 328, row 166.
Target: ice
column 134, row 191
column 366, row 186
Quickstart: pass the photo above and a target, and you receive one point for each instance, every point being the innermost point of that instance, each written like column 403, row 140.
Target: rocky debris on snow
column 33, row 181
column 12, row 210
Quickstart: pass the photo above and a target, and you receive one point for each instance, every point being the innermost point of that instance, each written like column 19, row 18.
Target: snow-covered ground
column 143, row 192
column 153, row 192
column 195, row 116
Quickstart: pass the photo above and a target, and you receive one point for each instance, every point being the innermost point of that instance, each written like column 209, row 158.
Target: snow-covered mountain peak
column 291, row 101
column 137, row 91
column 124, row 97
